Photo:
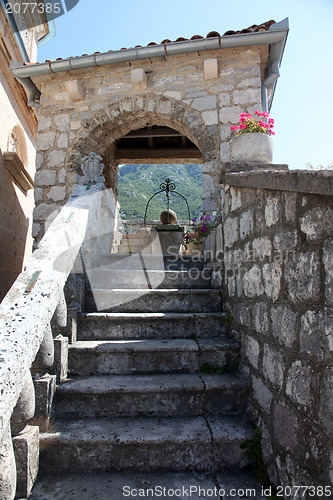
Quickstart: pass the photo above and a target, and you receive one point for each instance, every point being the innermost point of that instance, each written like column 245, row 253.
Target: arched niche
column 16, row 159
column 17, row 144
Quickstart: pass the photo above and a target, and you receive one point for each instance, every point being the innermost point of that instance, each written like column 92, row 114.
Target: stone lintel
column 302, row 181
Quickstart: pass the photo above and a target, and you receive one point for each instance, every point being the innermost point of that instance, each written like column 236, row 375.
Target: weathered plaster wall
column 88, row 110
column 14, row 230
column 16, row 207
column 278, row 284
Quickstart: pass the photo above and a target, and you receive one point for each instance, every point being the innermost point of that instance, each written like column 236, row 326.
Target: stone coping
column 242, row 166
column 270, row 177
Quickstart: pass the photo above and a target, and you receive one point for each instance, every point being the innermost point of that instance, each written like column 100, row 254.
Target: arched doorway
column 151, row 129
column 147, row 157
column 111, row 130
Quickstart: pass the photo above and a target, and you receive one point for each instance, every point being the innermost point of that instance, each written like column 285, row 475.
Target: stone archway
column 59, row 160
column 136, row 112
column 99, row 133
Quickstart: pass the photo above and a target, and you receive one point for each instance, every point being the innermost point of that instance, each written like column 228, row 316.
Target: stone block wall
column 88, row 110
column 278, row 284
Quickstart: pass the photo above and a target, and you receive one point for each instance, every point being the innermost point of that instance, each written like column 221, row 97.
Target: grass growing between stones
column 192, row 337
column 206, row 368
column 253, row 452
column 228, row 319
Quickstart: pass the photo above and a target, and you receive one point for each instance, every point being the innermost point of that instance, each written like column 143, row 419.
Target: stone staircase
column 139, row 395
column 133, row 243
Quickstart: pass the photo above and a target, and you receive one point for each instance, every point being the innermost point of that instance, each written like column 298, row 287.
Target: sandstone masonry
column 177, row 93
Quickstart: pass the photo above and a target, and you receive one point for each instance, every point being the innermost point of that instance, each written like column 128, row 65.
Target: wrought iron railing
column 167, row 187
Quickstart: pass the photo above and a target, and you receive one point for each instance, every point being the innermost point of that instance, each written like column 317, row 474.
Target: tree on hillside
column 319, row 167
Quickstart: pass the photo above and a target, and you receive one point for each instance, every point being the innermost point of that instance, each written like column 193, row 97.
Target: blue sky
column 303, row 103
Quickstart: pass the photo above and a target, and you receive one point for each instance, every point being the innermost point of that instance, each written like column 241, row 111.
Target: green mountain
column 137, row 183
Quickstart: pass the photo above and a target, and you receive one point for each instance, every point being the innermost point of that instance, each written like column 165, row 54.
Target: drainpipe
column 273, row 71
column 28, row 84
column 269, row 81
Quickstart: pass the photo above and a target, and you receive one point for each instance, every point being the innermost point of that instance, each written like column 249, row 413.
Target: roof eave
column 275, row 37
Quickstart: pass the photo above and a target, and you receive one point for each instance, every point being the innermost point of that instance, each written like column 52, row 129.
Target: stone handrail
column 27, row 309
column 273, row 177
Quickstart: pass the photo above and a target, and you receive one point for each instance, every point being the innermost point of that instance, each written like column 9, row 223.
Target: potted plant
column 200, row 229
column 253, row 141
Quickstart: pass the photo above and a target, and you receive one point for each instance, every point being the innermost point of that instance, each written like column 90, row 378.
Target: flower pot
column 252, row 147
column 193, row 248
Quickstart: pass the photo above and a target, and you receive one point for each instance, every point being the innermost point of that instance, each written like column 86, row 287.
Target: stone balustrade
column 36, row 298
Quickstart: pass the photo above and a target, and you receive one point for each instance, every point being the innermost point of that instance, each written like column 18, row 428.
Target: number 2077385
column 304, row 491
column 33, row 7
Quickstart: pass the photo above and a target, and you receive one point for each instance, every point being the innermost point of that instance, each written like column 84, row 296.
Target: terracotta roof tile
column 252, row 29
column 213, row 34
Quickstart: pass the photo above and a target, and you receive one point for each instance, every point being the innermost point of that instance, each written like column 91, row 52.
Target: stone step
column 107, row 357
column 181, row 485
column 122, row 278
column 145, row 444
column 125, row 326
column 152, row 262
column 132, row 241
column 141, row 234
column 162, row 395
column 133, row 247
column 158, row 300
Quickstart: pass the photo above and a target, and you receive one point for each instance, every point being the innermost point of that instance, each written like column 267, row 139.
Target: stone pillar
column 26, row 449
column 60, row 368
column 45, row 355
column 25, row 446
column 7, row 467
column 45, row 387
column 25, row 406
column 59, row 319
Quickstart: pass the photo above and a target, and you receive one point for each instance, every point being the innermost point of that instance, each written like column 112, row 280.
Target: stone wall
column 278, row 284
column 88, row 110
